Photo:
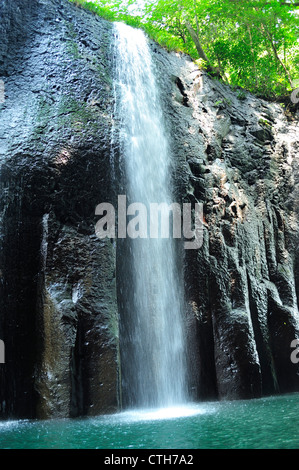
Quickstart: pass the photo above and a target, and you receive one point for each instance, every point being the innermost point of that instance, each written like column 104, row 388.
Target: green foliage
column 201, row 64
column 241, row 95
column 223, row 103
column 264, row 122
column 252, row 44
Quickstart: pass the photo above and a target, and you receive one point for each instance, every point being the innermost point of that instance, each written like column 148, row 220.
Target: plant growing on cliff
column 252, row 44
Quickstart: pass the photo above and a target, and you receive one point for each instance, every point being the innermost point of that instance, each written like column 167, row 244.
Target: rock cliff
column 241, row 157
column 60, row 302
column 58, row 294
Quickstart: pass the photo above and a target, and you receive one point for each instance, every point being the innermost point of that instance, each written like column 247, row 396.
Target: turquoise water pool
column 267, row 423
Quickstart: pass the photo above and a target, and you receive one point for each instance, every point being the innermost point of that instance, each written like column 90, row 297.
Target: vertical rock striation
column 238, row 155
column 58, row 293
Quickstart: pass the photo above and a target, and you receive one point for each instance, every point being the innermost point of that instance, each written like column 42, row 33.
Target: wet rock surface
column 238, row 156
column 58, row 293
column 234, row 153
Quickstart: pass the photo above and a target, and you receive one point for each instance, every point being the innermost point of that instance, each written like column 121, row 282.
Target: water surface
column 267, row 423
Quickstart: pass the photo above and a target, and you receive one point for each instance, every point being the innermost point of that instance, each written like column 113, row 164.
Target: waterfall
column 152, row 342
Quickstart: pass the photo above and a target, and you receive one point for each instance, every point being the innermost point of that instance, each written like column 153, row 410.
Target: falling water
column 153, row 352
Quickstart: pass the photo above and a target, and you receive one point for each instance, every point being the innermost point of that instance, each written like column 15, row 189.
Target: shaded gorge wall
column 61, row 293
column 59, row 317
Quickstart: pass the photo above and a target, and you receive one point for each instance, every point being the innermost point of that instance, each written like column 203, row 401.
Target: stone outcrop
column 59, row 301
column 58, row 291
column 241, row 157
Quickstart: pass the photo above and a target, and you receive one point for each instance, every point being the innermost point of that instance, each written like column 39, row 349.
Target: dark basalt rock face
column 241, row 157
column 59, row 301
column 58, row 291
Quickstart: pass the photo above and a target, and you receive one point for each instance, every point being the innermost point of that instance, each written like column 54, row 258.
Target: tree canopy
column 253, row 44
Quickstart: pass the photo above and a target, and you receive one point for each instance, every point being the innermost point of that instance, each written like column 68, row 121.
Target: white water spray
column 156, row 326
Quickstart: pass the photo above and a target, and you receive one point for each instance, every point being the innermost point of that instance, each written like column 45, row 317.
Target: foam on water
column 159, row 414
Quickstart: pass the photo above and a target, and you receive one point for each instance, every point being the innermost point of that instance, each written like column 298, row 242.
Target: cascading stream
column 153, row 352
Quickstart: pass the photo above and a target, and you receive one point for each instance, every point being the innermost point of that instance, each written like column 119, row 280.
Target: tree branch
column 195, row 39
column 296, row 4
column 287, row 73
column 200, row 51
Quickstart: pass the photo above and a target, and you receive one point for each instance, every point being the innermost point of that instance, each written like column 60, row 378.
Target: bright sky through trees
column 252, row 44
